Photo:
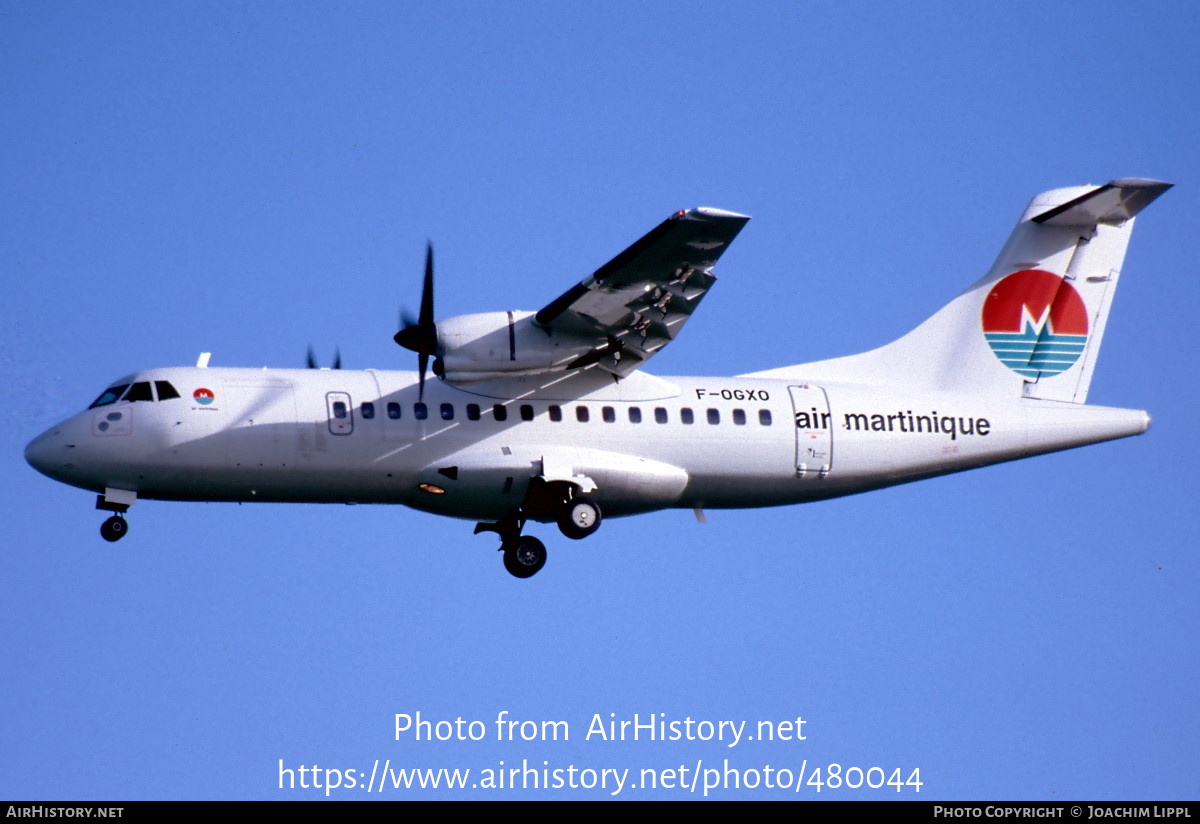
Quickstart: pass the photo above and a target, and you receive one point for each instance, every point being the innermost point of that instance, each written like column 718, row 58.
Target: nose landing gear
column 114, row 528
column 116, row 501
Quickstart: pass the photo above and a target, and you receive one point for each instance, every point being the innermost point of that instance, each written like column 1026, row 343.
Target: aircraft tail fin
column 1032, row 326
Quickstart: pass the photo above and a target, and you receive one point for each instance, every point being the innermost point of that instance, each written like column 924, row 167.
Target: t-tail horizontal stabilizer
column 1113, row 203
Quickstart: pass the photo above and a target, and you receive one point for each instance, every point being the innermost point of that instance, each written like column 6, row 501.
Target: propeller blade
column 426, row 317
column 420, row 335
column 310, row 359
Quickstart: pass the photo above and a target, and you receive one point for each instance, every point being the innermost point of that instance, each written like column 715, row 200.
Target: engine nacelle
column 503, row 344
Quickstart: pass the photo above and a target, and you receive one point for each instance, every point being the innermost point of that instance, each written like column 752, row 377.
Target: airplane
column 549, row 416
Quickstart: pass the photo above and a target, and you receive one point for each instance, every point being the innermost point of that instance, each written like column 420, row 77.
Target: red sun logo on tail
column 1036, row 323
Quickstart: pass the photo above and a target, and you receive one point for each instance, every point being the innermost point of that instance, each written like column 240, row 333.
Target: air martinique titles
column 906, row 421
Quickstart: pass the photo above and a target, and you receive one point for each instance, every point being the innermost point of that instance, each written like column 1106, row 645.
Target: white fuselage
column 302, row 435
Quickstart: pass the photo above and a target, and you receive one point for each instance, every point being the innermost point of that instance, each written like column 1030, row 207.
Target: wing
column 635, row 304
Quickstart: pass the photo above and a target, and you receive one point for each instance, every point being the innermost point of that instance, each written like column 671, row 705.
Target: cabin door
column 814, row 431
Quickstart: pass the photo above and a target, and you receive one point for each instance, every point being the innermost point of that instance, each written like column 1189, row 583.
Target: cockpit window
column 110, row 395
column 140, row 391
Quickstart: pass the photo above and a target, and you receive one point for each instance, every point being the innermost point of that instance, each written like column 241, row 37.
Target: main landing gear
column 580, row 518
column 525, row 555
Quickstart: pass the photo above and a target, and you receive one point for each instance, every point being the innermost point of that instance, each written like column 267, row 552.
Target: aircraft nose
column 47, row 453
column 37, row 452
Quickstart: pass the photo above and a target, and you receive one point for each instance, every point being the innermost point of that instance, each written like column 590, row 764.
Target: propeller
column 311, row 360
column 420, row 335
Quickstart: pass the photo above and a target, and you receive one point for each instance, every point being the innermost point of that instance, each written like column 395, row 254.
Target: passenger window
column 555, row 413
column 500, row 412
column 472, row 411
column 764, row 417
column 526, row 412
column 420, row 410
column 714, row 416
column 609, row 414
column 635, row 414
column 368, row 411
column 109, row 395
column 140, row 391
column 339, row 409
column 581, row 414
column 394, row 410
column 739, row 417
column 660, row 415
column 165, row 391
column 447, row 411
column 686, row 416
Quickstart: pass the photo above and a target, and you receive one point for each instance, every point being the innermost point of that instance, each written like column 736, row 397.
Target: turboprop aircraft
column 548, row 416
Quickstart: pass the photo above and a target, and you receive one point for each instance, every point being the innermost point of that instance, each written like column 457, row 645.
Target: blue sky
column 248, row 179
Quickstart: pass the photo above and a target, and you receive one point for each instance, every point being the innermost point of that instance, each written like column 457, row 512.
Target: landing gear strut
column 114, row 528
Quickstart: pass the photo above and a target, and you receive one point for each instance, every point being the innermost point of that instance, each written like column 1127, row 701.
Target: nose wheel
column 114, row 528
